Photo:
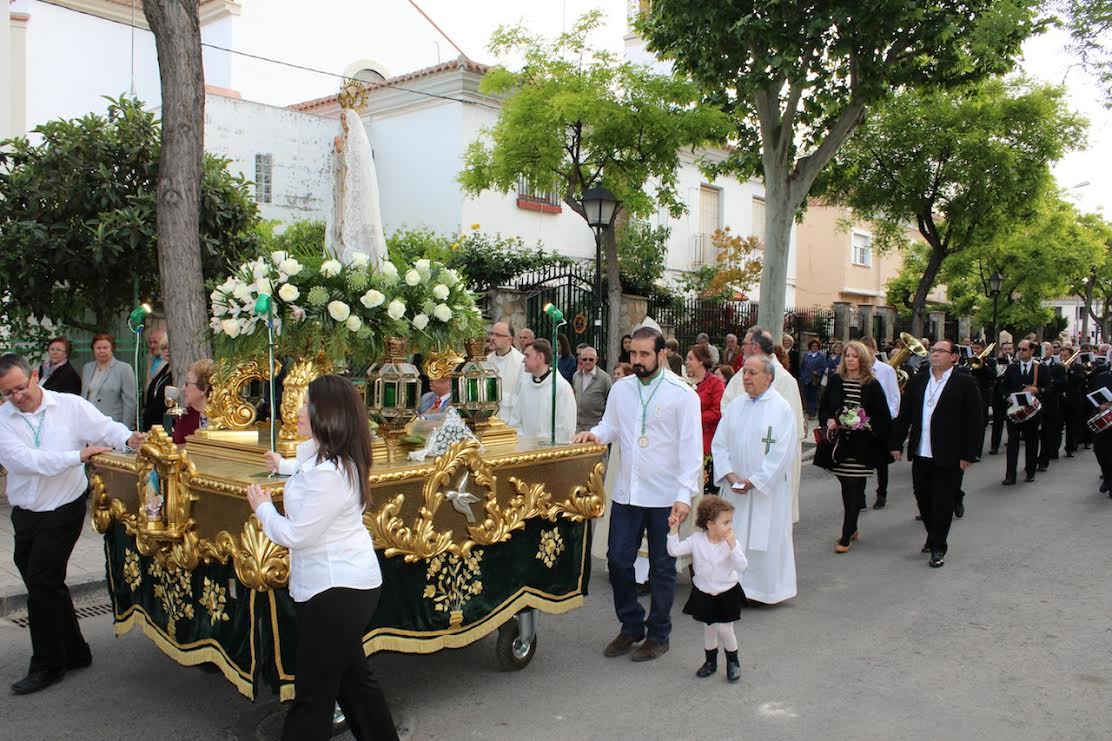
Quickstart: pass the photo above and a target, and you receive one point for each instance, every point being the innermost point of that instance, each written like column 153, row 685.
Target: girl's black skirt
column 715, row 608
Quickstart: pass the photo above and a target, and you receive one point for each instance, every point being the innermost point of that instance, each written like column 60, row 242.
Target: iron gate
column 572, row 289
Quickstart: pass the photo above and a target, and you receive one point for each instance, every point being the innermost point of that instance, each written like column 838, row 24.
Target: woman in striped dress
column 853, row 385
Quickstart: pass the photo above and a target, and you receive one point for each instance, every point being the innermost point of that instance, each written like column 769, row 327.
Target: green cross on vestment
column 769, row 440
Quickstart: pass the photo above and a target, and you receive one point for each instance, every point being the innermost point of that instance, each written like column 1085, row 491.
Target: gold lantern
column 476, row 387
column 393, row 392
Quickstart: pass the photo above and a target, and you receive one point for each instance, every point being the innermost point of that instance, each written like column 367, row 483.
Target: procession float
column 476, row 531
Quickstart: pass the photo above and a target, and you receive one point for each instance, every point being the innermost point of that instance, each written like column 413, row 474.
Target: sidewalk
column 86, row 565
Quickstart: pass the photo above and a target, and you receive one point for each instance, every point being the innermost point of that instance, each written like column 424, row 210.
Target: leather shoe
column 1103, row 488
column 38, row 680
column 79, row 663
column 959, row 509
column 620, row 645
column 649, row 650
column 881, row 502
column 733, row 667
column 938, row 559
column 1008, row 482
column 926, row 547
column 994, row 451
column 1030, row 478
column 1042, row 467
column 1069, row 454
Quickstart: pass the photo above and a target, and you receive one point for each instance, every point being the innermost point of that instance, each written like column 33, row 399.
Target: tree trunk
column 779, row 212
column 926, row 282
column 177, row 34
column 613, row 297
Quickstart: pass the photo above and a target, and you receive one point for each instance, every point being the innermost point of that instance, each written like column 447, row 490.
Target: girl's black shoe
column 710, row 666
column 733, row 667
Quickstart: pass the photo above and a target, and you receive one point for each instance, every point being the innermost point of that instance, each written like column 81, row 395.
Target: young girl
column 716, row 594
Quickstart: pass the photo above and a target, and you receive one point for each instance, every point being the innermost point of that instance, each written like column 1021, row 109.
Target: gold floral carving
column 586, row 502
column 456, row 582
column 214, row 598
column 133, row 572
column 532, row 500
column 173, row 589
column 260, row 563
column 228, row 407
column 441, row 364
column 551, row 546
column 107, row 508
column 294, row 387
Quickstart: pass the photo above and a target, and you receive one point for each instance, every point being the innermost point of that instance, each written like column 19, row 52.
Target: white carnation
column 241, row 291
column 412, row 277
column 262, row 285
column 290, row 266
column 330, row 268
column 372, row 298
column 396, row 309
column 423, row 265
column 359, row 260
column 259, row 269
column 440, row 291
column 338, row 310
column 230, row 327
column 442, row 312
column 450, row 277
column 389, row 271
column 354, row 323
column 279, row 257
column 421, row 321
column 289, row 293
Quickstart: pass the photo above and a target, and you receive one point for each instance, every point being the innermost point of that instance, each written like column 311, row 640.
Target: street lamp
column 995, row 283
column 599, row 206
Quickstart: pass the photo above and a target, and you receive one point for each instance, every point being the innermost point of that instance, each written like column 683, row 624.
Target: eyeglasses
column 587, row 360
column 18, row 390
column 943, row 350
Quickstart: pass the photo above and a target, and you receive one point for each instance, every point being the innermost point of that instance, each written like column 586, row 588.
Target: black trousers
column 999, row 417
column 1050, row 433
column 935, row 488
column 1029, row 433
column 1072, row 421
column 331, row 667
column 882, row 480
column 43, row 544
column 1102, row 448
column 853, row 492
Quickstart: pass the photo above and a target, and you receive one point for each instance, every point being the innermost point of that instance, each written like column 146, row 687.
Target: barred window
column 531, row 192
column 264, row 164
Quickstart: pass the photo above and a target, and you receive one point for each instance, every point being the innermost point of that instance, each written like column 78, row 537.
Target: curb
column 14, row 599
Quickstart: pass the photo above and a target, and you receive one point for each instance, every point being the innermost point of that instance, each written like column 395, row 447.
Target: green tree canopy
column 77, row 218
column 574, row 118
column 961, row 164
column 796, row 77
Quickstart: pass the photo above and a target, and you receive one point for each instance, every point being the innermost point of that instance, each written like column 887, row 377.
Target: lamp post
column 599, row 205
column 558, row 321
column 135, row 322
column 995, row 283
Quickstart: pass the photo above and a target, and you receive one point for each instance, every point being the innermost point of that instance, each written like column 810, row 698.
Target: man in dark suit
column 999, row 403
column 438, row 399
column 1050, row 433
column 1102, row 441
column 941, row 412
column 1023, row 374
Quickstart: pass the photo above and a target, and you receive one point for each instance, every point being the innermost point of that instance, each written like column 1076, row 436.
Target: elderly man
column 731, row 353
column 704, row 339
column 753, row 450
column 438, row 398
column 508, row 361
column 525, row 338
column 45, row 440
column 532, row 415
column 759, row 342
column 591, row 385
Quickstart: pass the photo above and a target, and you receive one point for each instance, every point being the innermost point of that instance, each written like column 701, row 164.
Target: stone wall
column 506, row 305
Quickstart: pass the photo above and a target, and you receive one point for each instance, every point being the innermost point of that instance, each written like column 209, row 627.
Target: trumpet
column 1071, row 359
column 978, row 361
column 910, row 345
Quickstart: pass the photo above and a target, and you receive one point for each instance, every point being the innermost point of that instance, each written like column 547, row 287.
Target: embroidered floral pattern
column 456, row 582
column 133, row 572
column 214, row 598
column 551, row 546
column 173, row 589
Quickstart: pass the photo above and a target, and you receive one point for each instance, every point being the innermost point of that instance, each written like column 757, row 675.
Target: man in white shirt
column 654, row 419
column 532, row 413
column 508, row 362
column 45, row 440
column 886, row 377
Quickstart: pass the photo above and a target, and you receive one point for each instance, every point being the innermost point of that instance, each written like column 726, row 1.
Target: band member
column 1023, row 376
column 1074, row 404
column 999, row 403
column 1102, row 441
column 1050, row 432
column 941, row 412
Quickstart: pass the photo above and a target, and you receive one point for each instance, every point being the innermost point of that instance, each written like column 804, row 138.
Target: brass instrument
column 978, row 361
column 910, row 345
column 1071, row 359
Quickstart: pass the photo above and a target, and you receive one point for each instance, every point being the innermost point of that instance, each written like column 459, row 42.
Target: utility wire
column 291, row 65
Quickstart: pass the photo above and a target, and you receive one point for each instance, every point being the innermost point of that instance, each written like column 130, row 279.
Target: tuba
column 910, row 346
column 978, row 361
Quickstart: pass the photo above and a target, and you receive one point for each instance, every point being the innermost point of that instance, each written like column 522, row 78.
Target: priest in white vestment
column 508, row 361
column 532, row 412
column 759, row 342
column 753, row 450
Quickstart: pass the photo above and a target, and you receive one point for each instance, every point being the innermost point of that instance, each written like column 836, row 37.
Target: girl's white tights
column 719, row 632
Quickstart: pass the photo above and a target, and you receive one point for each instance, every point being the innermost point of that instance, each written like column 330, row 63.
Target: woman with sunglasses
column 334, row 574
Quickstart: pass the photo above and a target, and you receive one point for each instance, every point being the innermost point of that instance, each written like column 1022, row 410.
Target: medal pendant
column 930, row 402
column 643, row 441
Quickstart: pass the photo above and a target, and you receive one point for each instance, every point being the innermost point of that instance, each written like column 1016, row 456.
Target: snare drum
column 1102, row 420
column 1019, row 415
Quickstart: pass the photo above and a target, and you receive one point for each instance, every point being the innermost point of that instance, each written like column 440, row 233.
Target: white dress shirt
column 670, row 469
column 717, row 566
column 886, row 376
column 583, row 380
column 510, row 367
column 323, row 528
column 42, row 478
column 933, row 392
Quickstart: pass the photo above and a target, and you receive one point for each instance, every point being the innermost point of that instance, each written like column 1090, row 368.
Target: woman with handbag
column 855, row 413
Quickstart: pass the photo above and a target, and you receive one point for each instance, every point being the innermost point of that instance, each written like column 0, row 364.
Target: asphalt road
column 1010, row 640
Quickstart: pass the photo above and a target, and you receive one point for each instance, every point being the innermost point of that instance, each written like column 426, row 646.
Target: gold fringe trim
column 205, row 651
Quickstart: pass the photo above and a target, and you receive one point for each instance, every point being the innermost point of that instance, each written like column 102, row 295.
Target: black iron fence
column 689, row 316
column 571, row 288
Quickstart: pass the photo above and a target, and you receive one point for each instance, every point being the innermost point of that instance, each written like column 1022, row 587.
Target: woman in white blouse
column 334, row 574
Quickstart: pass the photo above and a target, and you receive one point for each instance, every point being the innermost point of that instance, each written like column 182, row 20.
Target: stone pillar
column 507, row 305
column 864, row 320
column 936, row 325
column 841, row 321
column 634, row 311
column 965, row 328
column 888, row 328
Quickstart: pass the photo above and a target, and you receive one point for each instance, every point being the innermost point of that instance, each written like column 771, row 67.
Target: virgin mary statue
column 355, row 221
